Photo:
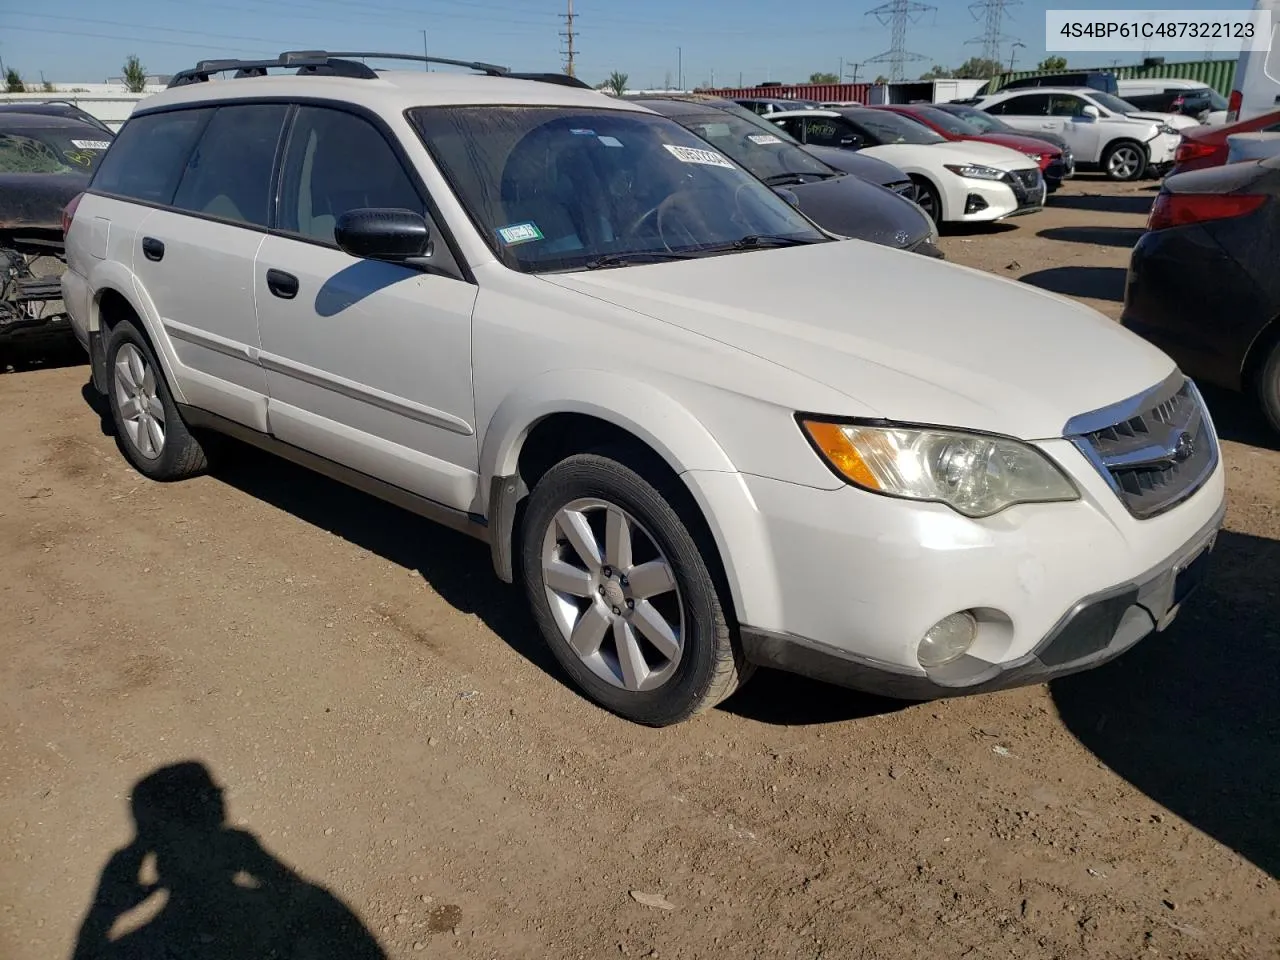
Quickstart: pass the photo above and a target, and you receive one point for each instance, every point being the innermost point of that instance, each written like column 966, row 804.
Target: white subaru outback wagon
column 551, row 319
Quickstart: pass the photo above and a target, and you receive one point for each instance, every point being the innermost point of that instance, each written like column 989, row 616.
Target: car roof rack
column 321, row 63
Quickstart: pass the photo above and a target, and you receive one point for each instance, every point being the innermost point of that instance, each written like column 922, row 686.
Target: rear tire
column 622, row 592
column 1267, row 387
column 1124, row 160
column 149, row 431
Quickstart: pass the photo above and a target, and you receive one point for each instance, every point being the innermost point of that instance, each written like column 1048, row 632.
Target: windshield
column 762, row 151
column 1114, row 104
column 50, row 151
column 557, row 188
column 983, row 122
column 889, row 127
column 949, row 122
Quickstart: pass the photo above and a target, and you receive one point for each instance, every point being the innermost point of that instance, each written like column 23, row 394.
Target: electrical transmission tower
column 568, row 34
column 992, row 11
column 896, row 14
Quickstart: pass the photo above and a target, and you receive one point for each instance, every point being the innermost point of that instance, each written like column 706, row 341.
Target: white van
column 1189, row 98
column 1257, row 86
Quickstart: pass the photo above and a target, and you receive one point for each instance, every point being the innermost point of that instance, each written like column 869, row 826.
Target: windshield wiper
column 779, row 179
column 753, row 240
column 634, row 256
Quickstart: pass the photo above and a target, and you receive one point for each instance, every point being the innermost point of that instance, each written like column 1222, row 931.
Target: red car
column 1053, row 164
column 1202, row 147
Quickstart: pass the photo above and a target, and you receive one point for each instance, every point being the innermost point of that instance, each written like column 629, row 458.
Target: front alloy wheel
column 613, row 594
column 141, row 412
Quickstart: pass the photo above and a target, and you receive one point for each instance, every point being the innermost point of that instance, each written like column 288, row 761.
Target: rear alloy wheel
column 149, row 430
column 622, row 593
column 1124, row 161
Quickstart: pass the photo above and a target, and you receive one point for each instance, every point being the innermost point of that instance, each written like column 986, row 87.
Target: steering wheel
column 661, row 215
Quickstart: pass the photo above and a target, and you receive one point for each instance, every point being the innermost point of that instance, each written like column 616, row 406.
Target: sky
column 654, row 42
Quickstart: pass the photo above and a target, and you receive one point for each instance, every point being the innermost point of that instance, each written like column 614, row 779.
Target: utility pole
column 568, row 34
column 896, row 15
column 1013, row 53
column 840, row 75
column 425, row 65
column 854, row 78
column 680, row 68
column 992, row 11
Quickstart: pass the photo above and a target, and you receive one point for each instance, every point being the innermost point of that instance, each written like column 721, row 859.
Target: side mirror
column 1089, row 112
column 383, row 233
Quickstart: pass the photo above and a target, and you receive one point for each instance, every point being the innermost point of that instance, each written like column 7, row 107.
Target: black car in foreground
column 840, row 202
column 45, row 162
column 1204, row 280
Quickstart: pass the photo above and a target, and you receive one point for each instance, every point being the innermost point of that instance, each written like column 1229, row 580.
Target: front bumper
column 1095, row 630
column 995, row 200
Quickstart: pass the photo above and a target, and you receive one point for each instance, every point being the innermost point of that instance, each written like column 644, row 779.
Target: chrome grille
column 1154, row 450
column 1025, row 184
column 904, row 189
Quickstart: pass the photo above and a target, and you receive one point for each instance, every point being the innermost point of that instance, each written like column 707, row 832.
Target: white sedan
column 956, row 182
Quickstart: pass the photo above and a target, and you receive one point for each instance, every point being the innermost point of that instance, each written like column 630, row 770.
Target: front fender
column 653, row 416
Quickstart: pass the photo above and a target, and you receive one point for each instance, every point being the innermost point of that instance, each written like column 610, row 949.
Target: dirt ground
column 407, row 774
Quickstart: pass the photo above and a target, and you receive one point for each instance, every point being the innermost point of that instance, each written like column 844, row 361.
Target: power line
column 992, row 11
column 896, row 15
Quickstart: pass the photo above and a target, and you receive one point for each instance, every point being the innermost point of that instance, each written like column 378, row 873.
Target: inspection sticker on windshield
column 91, row 144
column 691, row 155
column 610, row 141
column 763, row 138
column 582, row 132
column 519, row 233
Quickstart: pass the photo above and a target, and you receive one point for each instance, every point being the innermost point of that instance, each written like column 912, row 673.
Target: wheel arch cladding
column 535, row 428
column 116, row 297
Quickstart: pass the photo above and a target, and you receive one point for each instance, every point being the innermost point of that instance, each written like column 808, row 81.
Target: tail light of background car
column 1233, row 106
column 1189, row 150
column 1180, row 209
column 69, row 212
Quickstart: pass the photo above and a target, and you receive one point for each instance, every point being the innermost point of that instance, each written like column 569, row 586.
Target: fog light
column 947, row 640
column 974, row 203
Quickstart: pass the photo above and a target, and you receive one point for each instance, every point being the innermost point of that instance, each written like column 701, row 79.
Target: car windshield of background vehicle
column 949, row 122
column 1114, row 104
column 556, row 188
column 889, row 127
column 983, row 122
column 50, row 151
column 763, row 152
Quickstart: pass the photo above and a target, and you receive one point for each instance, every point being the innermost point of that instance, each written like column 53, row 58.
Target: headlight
column 1037, row 157
column 974, row 171
column 1165, row 128
column 974, row 474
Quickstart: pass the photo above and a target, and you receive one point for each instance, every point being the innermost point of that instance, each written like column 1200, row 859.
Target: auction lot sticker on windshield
column 692, row 155
column 519, row 233
column 763, row 138
column 90, row 144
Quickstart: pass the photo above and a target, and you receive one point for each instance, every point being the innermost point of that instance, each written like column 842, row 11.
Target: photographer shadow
column 191, row 886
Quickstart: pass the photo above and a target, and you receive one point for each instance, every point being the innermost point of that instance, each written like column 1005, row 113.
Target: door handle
column 152, row 248
column 283, row 285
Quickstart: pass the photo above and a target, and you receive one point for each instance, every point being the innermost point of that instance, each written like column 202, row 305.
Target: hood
column 34, row 201
column 851, row 161
column 955, row 151
column 1013, row 142
column 852, row 207
column 904, row 337
column 1178, row 121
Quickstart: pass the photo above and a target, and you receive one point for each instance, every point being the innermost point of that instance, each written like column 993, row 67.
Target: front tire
column 149, row 430
column 623, row 594
column 928, row 199
column 1124, row 160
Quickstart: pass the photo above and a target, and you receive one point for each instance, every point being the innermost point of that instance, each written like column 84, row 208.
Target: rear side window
column 147, row 158
column 337, row 162
column 1031, row 105
column 228, row 175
